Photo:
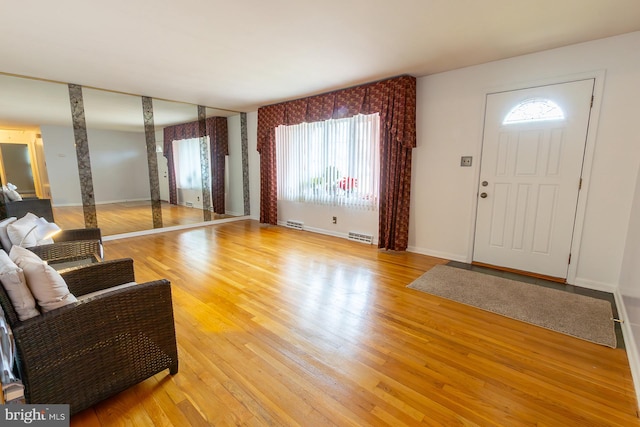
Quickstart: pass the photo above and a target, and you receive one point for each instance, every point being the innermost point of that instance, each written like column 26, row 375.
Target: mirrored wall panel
column 152, row 163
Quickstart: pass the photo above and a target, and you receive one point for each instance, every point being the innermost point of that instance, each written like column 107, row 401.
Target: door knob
column 483, row 195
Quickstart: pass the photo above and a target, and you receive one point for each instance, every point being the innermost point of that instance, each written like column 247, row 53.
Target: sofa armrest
column 71, row 250
column 85, row 352
column 78, row 234
column 98, row 276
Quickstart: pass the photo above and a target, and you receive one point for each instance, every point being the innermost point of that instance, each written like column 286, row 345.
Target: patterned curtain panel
column 219, row 139
column 395, row 101
column 217, row 130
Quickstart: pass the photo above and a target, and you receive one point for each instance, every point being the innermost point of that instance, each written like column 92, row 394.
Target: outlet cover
column 465, row 161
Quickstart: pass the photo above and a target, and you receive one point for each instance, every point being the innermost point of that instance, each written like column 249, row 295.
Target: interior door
column 532, row 155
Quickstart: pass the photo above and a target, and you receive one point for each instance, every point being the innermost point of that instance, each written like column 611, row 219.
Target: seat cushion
column 4, row 235
column 47, row 286
column 14, row 282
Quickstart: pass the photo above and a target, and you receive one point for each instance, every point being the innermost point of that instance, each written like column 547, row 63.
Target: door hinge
column 592, row 101
column 569, row 259
column 580, row 184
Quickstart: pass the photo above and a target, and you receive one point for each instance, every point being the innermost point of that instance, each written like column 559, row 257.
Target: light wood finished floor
column 127, row 217
column 280, row 327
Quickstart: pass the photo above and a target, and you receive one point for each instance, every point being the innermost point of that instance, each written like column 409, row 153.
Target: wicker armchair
column 84, row 239
column 87, row 351
column 72, row 244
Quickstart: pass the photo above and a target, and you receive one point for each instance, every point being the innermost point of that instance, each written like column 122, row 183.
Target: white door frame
column 592, row 131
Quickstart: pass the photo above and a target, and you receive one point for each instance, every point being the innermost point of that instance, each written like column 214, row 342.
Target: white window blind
column 335, row 162
column 186, row 159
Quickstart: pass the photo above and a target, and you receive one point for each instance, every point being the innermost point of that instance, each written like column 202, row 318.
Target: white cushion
column 19, row 228
column 4, row 235
column 17, row 232
column 45, row 283
column 104, row 291
column 13, row 281
column 13, row 195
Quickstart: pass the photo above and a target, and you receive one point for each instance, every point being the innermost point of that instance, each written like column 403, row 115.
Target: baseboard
column 66, row 205
column 438, row 254
column 327, row 232
column 630, row 344
column 109, row 202
column 596, row 286
column 173, row 228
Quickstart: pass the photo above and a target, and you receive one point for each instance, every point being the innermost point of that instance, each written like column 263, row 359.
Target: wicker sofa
column 89, row 350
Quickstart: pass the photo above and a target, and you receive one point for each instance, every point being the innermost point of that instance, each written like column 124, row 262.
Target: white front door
column 532, row 154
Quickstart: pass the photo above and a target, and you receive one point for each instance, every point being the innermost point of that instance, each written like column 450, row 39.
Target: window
column 534, row 110
column 335, row 162
column 186, row 158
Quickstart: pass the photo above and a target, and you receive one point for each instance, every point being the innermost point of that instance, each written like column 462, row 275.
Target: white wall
column 119, row 165
column 62, row 165
column 630, row 273
column 318, row 218
column 629, row 293
column 120, row 170
column 450, row 113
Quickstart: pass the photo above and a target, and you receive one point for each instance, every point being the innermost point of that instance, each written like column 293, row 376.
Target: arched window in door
column 534, row 110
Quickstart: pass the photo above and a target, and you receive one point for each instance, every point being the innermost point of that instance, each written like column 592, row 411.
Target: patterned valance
column 395, row 100
column 216, row 129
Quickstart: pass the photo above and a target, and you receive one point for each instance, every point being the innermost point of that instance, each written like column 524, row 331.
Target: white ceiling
column 240, row 55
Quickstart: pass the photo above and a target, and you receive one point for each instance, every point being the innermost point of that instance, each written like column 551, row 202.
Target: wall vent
column 360, row 237
column 298, row 225
column 189, row 204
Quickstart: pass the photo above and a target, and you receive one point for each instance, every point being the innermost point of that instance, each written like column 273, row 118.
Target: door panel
column 532, row 168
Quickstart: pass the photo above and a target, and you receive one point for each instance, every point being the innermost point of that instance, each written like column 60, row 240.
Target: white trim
column 107, row 202
column 144, row 199
column 596, row 286
column 630, row 344
column 173, row 228
column 587, row 165
column 590, row 143
column 327, row 232
column 438, row 254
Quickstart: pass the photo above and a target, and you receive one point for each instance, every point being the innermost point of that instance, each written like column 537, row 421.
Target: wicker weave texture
column 67, row 251
column 88, row 351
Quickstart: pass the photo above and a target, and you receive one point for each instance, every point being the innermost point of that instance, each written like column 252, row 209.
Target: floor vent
column 295, row 224
column 359, row 237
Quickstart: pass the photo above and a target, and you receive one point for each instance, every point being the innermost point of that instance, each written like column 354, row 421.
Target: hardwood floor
column 283, row 328
column 127, row 217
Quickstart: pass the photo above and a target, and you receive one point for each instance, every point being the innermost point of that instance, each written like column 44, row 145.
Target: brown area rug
column 583, row 317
